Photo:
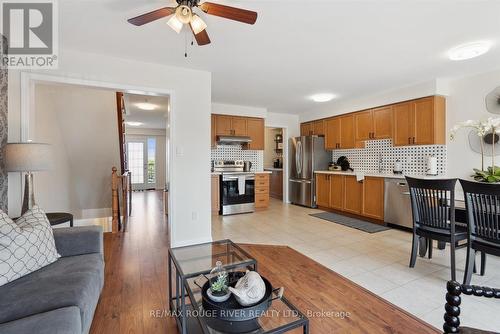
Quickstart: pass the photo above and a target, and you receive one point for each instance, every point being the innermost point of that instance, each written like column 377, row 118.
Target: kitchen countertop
column 272, row 169
column 384, row 175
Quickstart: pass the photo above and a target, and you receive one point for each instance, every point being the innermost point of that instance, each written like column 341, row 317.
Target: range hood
column 233, row 140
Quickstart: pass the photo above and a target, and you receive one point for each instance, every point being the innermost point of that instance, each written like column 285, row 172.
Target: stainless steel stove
column 237, row 188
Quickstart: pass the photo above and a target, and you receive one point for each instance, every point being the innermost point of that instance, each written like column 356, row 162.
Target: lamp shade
column 28, row 157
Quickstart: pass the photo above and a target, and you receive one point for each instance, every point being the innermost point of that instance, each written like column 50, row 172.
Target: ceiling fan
column 184, row 15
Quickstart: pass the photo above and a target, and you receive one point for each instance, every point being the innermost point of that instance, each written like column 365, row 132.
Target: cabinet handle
column 409, row 140
column 413, row 140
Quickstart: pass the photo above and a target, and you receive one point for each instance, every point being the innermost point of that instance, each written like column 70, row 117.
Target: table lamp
column 28, row 157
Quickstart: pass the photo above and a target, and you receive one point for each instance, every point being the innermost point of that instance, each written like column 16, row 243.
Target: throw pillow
column 26, row 245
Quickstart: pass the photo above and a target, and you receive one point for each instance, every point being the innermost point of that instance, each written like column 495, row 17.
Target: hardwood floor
column 136, row 281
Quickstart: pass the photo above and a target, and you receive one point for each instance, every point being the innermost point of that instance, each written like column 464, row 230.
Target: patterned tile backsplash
column 235, row 152
column 413, row 158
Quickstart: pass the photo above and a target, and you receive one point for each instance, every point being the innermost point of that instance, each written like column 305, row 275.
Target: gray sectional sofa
column 60, row 298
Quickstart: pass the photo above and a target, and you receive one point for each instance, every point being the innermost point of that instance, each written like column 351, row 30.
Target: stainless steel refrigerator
column 307, row 155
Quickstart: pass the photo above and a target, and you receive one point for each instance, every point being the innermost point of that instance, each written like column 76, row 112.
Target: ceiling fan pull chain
column 185, row 45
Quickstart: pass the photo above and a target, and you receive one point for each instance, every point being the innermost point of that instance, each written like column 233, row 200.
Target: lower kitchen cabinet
column 276, row 184
column 337, row 192
column 261, row 190
column 344, row 193
column 373, row 197
column 215, row 193
column 353, row 191
column 323, row 190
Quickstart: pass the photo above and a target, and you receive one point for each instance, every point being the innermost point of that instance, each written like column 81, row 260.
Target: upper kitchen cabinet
column 255, row 130
column 420, row 122
column 373, row 124
column 332, row 133
column 316, row 128
column 223, row 125
column 306, row 129
column 382, row 122
column 226, row 125
column 347, row 132
column 319, row 128
column 339, row 133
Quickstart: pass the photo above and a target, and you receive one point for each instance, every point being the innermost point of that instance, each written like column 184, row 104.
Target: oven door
column 235, row 201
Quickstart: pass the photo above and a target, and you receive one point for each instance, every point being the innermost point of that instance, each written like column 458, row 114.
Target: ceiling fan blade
column 202, row 37
column 151, row 16
column 232, row 13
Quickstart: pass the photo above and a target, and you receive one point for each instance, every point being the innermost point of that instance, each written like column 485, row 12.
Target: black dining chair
column 433, row 207
column 482, row 202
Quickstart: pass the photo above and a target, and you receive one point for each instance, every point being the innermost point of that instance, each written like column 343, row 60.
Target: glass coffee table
column 187, row 264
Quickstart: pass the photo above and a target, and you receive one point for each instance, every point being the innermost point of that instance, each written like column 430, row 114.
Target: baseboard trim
column 191, row 242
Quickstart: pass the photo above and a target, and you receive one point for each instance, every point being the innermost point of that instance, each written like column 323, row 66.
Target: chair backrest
column 482, row 201
column 433, row 203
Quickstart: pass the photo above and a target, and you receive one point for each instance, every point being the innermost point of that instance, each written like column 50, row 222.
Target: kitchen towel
column 241, row 184
column 360, row 176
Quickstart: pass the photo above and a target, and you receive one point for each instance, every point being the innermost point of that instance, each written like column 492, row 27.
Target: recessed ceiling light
column 469, row 50
column 323, row 97
column 146, row 106
column 134, row 123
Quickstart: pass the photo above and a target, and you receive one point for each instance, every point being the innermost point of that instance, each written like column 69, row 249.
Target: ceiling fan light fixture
column 184, row 14
column 197, row 24
column 175, row 24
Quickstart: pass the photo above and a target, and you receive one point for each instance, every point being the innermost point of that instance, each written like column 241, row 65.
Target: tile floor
column 378, row 262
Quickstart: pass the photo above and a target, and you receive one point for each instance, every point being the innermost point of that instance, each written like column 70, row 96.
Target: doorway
column 141, row 161
column 274, row 153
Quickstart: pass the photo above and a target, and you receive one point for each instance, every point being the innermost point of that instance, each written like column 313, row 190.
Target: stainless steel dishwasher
column 397, row 205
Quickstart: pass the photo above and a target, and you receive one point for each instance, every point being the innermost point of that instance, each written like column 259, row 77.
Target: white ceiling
column 298, row 48
column 150, row 119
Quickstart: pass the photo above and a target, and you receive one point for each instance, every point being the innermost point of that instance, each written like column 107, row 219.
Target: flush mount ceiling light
column 134, row 123
column 469, row 50
column 146, row 106
column 323, row 97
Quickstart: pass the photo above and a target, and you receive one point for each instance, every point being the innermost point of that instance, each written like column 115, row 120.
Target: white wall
column 80, row 124
column 237, row 110
column 190, row 179
column 291, row 128
column 467, row 101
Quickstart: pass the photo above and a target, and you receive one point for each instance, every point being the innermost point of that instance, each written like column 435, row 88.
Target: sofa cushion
column 70, row 281
column 61, row 321
column 25, row 245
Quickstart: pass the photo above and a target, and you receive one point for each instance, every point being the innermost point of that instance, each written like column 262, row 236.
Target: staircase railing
column 121, row 199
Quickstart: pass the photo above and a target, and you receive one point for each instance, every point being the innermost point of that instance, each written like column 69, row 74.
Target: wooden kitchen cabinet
column 382, row 122
column 239, row 126
column 319, row 128
column 364, row 125
column 213, row 133
column 226, row 125
column 215, row 194
column 261, row 190
column 255, row 130
column 323, row 190
column 347, row 132
column 373, row 124
column 306, row 129
column 373, row 198
column 276, row 184
column 420, row 122
column 337, row 192
column 332, row 133
column 223, row 125
column 353, row 191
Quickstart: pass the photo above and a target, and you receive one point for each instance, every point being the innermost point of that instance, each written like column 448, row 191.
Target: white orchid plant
column 483, row 128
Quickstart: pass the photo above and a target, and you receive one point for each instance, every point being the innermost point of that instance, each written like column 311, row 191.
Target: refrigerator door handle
column 298, row 158
column 300, row 181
